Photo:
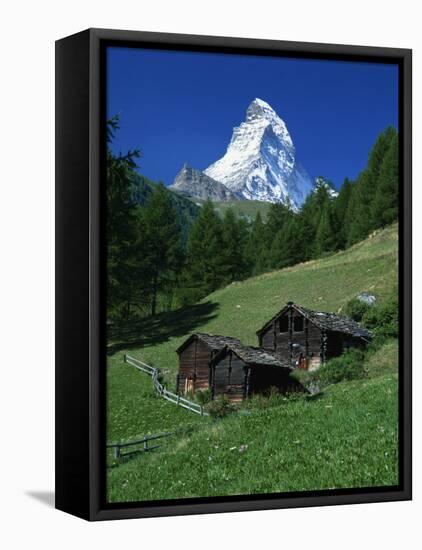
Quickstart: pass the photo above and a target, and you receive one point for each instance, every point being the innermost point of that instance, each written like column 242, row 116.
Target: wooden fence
column 161, row 390
column 143, row 442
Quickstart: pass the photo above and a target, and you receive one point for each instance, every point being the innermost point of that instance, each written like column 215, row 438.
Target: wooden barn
column 306, row 338
column 239, row 371
column 195, row 355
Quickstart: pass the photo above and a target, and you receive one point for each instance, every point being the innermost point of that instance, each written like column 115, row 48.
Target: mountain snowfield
column 260, row 164
column 260, row 161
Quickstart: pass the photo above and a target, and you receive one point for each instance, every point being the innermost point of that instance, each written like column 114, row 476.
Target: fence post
column 116, row 452
column 178, row 400
column 202, row 410
column 124, row 358
column 145, row 443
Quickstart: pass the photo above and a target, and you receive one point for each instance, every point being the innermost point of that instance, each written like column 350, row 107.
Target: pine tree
column 386, row 201
column 121, row 224
column 163, row 254
column 256, row 250
column 341, row 206
column 311, row 213
column 358, row 216
column 203, row 269
column 287, row 246
column 326, row 236
column 360, row 219
column 379, row 150
column 305, row 236
column 233, row 261
column 278, row 215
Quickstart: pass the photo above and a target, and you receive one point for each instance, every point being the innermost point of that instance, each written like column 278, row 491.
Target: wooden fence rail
column 161, row 390
column 144, row 442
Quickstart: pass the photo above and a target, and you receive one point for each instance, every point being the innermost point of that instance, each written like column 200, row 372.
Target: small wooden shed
column 195, row 355
column 306, row 338
column 239, row 371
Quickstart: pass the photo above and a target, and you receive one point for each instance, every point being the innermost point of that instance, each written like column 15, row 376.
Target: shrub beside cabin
column 306, row 338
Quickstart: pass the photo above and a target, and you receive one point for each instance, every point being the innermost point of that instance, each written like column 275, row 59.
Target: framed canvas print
column 233, row 274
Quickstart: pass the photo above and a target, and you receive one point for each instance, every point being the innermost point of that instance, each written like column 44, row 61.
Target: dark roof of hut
column 326, row 321
column 252, row 356
column 214, row 341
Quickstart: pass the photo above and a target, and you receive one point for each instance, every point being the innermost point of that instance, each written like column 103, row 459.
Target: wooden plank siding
column 194, row 365
column 228, row 378
column 291, row 344
column 313, row 344
column 236, row 380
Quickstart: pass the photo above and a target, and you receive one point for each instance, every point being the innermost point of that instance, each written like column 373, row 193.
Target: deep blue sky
column 182, row 106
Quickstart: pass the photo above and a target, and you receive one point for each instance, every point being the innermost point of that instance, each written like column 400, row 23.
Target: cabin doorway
column 189, row 387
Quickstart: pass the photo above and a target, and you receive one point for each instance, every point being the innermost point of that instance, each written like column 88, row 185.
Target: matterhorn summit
column 260, row 161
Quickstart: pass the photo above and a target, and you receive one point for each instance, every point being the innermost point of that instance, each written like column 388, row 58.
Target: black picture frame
column 80, row 315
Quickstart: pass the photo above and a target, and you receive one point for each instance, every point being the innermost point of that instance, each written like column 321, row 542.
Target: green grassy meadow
column 345, row 438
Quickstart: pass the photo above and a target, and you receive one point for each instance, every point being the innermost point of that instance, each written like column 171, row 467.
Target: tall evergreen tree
column 163, row 253
column 386, row 200
column 379, row 150
column 121, row 222
column 256, row 248
column 278, row 214
column 203, row 273
column 359, row 217
column 341, row 206
column 326, row 236
column 287, row 248
column 233, row 261
column 315, row 205
column 305, row 236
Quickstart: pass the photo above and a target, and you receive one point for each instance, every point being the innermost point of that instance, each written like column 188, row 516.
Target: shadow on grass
column 160, row 328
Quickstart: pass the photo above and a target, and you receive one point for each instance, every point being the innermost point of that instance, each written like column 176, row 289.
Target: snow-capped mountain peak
column 260, row 161
column 261, row 112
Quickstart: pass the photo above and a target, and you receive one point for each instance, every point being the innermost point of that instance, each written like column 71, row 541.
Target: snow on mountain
column 260, row 161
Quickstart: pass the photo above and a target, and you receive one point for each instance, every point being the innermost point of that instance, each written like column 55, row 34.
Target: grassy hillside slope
column 346, row 438
column 240, row 309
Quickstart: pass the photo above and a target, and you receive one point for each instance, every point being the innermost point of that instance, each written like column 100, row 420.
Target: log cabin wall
column 186, row 367
column 194, row 366
column 229, row 378
column 267, row 338
column 236, row 380
column 291, row 335
column 203, row 357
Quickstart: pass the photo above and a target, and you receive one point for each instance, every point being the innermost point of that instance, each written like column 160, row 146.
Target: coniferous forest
column 165, row 252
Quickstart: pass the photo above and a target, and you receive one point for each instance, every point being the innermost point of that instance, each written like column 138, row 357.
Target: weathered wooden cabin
column 306, row 338
column 239, row 371
column 195, row 355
